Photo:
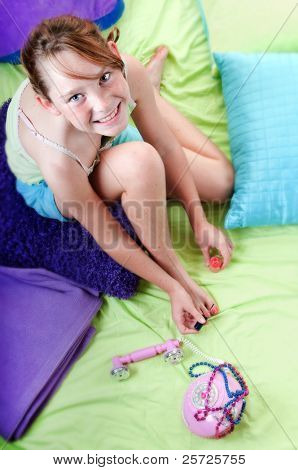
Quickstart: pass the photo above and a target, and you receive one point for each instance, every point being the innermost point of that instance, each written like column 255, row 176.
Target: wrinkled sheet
column 256, row 329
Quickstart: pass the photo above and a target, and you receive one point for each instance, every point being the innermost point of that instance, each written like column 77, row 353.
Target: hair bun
column 111, row 34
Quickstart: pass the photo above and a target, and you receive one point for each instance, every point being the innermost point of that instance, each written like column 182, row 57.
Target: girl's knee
column 131, row 165
column 145, row 162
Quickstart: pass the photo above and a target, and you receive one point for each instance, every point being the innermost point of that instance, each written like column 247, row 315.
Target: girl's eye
column 74, row 99
column 105, row 75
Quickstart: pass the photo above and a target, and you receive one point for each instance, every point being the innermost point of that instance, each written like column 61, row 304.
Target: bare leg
column 209, row 165
column 214, row 179
column 140, row 184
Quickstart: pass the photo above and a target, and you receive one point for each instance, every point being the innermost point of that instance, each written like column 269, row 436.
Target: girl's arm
column 155, row 131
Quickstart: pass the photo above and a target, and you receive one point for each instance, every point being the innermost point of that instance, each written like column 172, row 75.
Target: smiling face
column 98, row 105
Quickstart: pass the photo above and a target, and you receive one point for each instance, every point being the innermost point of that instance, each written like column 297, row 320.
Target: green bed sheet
column 256, row 329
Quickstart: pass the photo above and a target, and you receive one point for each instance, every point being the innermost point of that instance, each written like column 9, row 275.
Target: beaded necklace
column 225, row 411
column 235, row 397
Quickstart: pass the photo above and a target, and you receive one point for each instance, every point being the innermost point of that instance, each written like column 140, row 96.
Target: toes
column 214, row 310
column 205, row 311
column 202, row 308
column 160, row 53
column 211, row 306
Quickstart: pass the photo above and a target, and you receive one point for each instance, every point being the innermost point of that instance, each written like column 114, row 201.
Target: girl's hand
column 184, row 313
column 208, row 237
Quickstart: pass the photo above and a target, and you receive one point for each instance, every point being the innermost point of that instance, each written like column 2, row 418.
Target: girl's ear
column 48, row 105
column 113, row 48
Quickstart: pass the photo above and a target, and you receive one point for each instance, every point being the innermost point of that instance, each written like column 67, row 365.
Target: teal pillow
column 261, row 97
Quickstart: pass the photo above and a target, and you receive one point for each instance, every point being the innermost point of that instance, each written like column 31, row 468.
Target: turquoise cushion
column 261, row 97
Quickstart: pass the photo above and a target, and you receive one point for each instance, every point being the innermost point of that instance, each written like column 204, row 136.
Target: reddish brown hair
column 61, row 33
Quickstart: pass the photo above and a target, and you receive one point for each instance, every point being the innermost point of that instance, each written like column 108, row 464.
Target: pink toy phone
column 171, row 350
column 213, row 403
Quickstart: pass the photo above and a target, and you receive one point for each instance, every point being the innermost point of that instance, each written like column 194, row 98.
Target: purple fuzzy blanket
column 28, row 240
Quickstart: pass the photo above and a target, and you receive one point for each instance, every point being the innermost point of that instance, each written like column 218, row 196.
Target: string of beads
column 235, row 397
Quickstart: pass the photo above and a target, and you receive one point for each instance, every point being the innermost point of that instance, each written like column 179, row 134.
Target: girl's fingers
column 189, row 331
column 226, row 253
column 229, row 247
column 206, row 256
column 199, row 316
column 189, row 318
column 193, row 316
column 230, row 244
column 185, row 329
column 188, row 328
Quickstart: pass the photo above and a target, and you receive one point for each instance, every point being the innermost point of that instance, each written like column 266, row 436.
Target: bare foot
column 156, row 64
column 201, row 299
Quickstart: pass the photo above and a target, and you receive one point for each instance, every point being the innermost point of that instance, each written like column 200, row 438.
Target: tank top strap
column 54, row 145
column 26, row 120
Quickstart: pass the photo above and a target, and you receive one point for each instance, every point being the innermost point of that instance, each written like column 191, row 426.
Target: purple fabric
column 44, row 327
column 18, row 17
column 28, row 240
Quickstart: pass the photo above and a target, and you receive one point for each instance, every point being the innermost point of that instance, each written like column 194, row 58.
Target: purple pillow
column 17, row 19
column 28, row 240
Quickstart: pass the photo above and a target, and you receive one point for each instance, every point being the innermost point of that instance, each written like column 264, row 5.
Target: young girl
column 73, row 154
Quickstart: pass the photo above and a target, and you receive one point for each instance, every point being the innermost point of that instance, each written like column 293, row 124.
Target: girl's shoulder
column 46, row 123
column 53, row 128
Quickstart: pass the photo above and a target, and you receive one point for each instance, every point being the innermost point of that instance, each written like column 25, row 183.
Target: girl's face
column 96, row 106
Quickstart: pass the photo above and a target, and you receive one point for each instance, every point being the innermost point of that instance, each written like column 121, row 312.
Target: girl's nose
column 100, row 104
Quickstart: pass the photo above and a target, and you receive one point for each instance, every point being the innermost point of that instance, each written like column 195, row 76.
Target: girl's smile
column 111, row 118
